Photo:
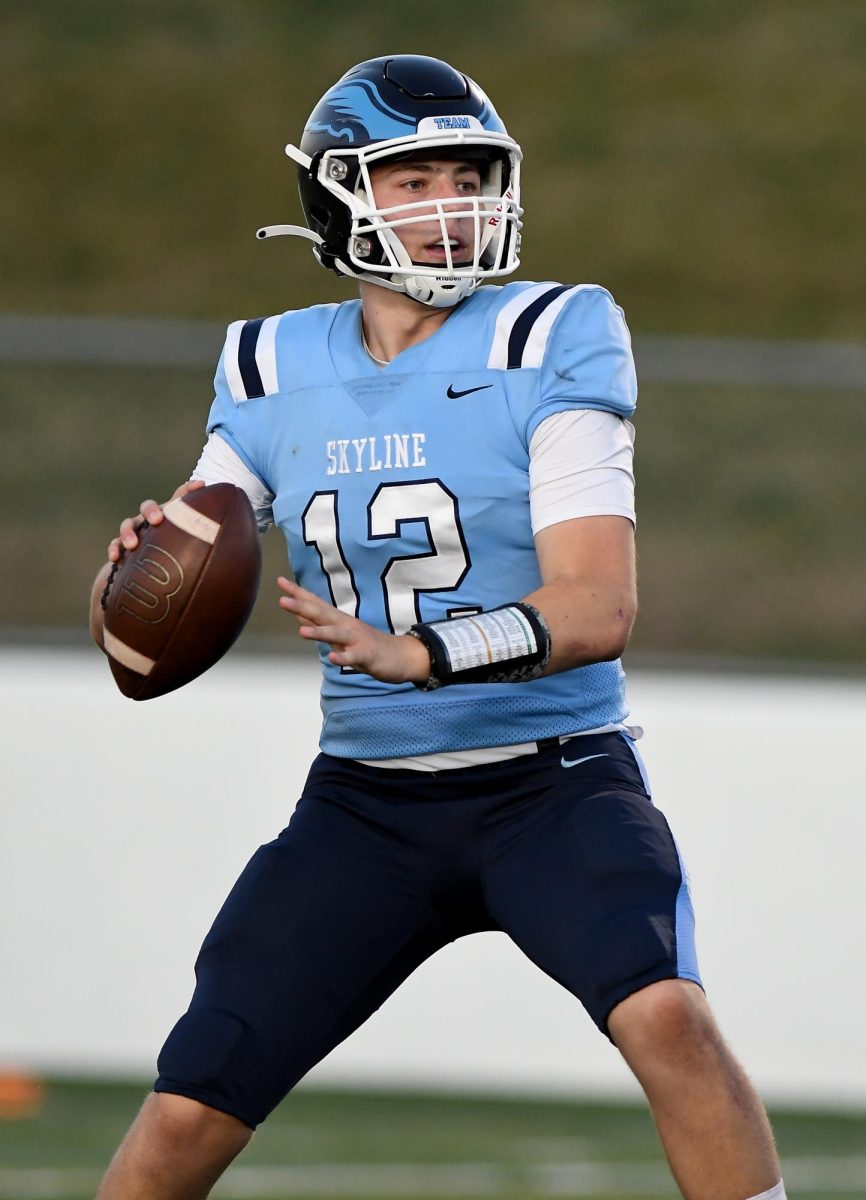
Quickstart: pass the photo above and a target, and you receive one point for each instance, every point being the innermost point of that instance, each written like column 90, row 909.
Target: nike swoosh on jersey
column 575, row 762
column 452, row 395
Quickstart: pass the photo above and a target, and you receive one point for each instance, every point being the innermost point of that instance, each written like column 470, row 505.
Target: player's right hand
column 148, row 511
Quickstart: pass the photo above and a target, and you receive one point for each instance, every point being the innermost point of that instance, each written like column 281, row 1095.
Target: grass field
column 705, row 161
column 327, row 1143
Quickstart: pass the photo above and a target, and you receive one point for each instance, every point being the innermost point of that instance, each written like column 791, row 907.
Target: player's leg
column 323, row 924
column 176, row 1149
column 712, row 1124
column 587, row 880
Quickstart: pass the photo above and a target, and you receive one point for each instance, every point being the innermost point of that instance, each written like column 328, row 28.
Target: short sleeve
column 588, row 360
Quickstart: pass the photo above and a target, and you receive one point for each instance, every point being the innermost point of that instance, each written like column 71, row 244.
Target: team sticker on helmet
column 429, row 125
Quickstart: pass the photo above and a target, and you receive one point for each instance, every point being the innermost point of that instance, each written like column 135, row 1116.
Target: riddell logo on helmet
column 452, row 122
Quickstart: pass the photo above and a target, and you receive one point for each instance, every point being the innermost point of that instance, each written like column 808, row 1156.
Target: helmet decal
column 355, row 110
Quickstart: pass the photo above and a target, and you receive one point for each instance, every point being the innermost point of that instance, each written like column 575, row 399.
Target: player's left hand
column 390, row 657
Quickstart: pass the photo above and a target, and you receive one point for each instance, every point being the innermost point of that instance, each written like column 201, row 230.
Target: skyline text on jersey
column 400, row 451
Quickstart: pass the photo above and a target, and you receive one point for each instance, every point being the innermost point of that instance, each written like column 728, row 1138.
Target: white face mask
column 374, row 250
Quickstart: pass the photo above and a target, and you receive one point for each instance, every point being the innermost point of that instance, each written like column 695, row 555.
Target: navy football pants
column 380, row 868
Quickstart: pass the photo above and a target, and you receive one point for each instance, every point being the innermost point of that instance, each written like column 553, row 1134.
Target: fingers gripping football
column 354, row 643
column 149, row 513
column 180, row 588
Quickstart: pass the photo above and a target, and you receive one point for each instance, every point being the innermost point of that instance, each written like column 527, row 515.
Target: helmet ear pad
column 331, row 220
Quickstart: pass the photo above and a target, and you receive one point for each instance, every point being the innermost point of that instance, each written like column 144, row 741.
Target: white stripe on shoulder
column 266, row 355
column 536, row 344
column 231, row 365
column 505, row 322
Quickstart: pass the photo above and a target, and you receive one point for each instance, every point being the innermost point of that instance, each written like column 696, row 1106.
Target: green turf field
column 326, row 1143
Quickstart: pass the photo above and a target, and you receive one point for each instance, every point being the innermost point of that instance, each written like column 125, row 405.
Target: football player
column 450, row 461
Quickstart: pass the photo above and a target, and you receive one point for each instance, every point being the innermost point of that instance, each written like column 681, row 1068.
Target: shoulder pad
column 524, row 323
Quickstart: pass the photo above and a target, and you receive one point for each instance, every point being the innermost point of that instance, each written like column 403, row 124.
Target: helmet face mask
column 374, row 247
column 429, row 112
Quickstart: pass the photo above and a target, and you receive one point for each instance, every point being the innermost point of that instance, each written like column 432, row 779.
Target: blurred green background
column 415, row 1146
column 705, row 162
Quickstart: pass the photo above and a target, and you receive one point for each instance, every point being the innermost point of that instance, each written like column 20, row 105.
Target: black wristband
column 510, row 644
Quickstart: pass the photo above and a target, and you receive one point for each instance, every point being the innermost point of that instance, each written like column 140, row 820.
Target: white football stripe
column 266, row 355
column 126, row 656
column 231, row 365
column 186, row 518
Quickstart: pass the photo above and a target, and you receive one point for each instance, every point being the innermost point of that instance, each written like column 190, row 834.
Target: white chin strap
column 437, row 293
column 427, row 287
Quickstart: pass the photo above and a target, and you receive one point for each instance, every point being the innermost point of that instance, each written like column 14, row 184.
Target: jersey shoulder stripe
column 524, row 325
column 249, row 371
column 250, row 358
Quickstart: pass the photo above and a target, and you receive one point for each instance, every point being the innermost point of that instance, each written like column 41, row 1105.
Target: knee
column 178, row 1121
column 670, row 1019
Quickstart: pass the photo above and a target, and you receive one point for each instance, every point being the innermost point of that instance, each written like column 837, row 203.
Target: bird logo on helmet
column 385, row 110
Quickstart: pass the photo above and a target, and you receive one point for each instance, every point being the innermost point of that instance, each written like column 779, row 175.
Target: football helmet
column 392, row 108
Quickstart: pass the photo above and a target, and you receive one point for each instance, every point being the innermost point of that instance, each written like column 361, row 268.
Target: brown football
column 180, row 599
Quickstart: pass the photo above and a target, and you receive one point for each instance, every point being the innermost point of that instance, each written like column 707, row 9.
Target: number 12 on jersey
column 441, row 568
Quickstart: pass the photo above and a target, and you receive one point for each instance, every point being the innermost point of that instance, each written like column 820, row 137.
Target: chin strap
column 289, row 231
column 415, row 286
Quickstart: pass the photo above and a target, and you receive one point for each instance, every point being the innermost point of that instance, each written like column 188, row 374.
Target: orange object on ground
column 20, row 1094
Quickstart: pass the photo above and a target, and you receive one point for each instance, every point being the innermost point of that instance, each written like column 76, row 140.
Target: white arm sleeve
column 580, row 465
column 220, row 464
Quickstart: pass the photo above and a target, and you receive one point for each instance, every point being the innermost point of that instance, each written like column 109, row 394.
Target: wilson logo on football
column 147, row 595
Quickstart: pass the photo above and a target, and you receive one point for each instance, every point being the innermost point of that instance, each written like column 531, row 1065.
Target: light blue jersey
column 403, row 491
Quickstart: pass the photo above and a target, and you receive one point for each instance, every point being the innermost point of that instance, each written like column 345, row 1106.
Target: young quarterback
column 450, row 461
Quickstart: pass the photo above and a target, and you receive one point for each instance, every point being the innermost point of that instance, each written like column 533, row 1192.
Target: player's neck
column 392, row 322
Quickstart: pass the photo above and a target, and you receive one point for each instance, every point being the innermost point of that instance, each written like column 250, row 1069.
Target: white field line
column 46, row 1183
column 367, row 1179
column 839, row 1175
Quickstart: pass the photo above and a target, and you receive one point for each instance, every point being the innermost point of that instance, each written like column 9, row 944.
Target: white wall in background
column 122, row 826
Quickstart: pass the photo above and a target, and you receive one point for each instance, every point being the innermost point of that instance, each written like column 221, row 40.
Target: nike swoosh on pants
column 575, row 762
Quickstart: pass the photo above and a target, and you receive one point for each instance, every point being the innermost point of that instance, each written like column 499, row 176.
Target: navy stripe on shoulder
column 247, row 364
column 523, row 325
